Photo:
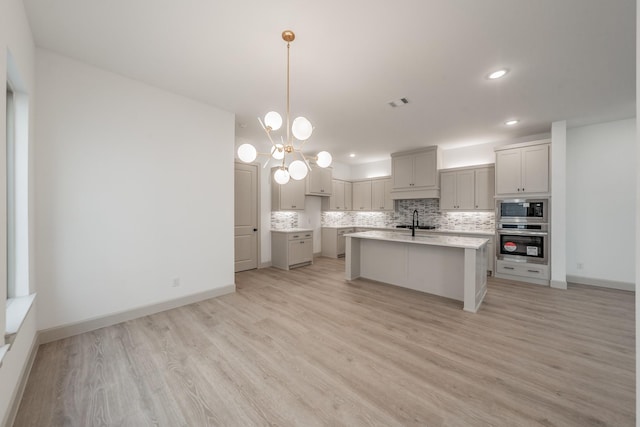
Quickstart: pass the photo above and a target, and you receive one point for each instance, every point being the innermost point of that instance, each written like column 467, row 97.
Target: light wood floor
column 306, row 348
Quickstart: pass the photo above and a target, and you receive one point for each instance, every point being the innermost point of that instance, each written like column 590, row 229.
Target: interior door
column 246, row 217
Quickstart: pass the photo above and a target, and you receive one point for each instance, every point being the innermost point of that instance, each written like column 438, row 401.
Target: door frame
column 258, row 167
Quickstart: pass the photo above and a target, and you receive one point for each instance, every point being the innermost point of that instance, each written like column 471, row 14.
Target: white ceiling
column 569, row 59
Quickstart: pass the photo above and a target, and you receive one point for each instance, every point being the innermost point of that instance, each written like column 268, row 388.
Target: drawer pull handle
column 296, row 236
column 508, row 268
column 533, row 271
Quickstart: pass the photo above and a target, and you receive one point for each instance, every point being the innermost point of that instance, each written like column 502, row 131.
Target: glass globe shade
column 277, row 152
column 247, row 153
column 273, row 120
column 324, row 159
column 281, row 176
column 301, row 128
column 298, row 170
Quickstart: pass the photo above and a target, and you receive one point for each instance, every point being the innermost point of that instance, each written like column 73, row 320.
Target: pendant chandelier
column 292, row 163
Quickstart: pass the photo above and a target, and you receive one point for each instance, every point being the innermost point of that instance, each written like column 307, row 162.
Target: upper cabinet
column 362, row 196
column 523, row 169
column 319, row 182
column 289, row 196
column 467, row 189
column 381, row 195
column 340, row 198
column 414, row 174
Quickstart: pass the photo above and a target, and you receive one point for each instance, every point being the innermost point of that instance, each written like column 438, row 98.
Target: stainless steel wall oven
column 523, row 243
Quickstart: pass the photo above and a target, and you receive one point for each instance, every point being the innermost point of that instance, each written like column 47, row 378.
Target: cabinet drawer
column 298, row 236
column 525, row 270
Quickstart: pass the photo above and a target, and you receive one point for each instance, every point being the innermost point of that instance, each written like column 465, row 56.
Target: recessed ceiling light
column 511, row 122
column 352, row 155
column 497, row 74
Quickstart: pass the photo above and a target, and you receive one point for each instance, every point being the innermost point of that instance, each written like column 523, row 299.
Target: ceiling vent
column 399, row 102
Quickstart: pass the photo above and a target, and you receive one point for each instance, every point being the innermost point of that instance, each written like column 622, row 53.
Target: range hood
column 431, row 193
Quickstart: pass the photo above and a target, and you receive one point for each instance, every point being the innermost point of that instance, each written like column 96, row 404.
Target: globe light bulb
column 277, row 152
column 324, row 159
column 301, row 128
column 281, row 176
column 298, row 170
column 247, row 153
column 273, row 120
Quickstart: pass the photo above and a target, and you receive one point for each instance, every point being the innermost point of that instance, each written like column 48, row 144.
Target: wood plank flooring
column 306, row 348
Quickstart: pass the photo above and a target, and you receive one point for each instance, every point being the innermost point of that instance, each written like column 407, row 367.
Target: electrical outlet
column 580, row 266
column 176, row 282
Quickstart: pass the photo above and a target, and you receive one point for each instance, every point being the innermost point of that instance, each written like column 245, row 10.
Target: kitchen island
column 451, row 267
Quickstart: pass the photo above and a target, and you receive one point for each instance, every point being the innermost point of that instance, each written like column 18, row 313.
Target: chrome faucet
column 414, row 223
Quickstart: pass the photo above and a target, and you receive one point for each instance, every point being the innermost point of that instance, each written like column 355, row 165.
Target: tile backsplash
column 428, row 212
column 284, row 220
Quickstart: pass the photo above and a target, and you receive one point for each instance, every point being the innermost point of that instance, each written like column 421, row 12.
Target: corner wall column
column 559, row 205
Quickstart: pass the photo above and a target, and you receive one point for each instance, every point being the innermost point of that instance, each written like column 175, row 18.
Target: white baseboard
column 559, row 284
column 265, row 264
column 65, row 331
column 10, row 416
column 603, row 283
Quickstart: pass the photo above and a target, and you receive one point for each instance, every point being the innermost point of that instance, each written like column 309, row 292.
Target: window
column 11, row 199
column 19, row 300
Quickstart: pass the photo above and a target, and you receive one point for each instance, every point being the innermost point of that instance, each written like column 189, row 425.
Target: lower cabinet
column 291, row 248
column 333, row 241
column 526, row 272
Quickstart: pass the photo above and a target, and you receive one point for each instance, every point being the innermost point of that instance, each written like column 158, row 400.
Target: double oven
column 523, row 230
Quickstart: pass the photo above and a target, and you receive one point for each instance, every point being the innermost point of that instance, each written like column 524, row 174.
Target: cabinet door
column 485, row 188
column 508, row 172
column 465, row 190
column 535, row 169
column 425, row 170
column 377, row 195
column 319, row 181
column 326, row 179
column 348, row 196
column 300, row 251
column 292, row 195
column 402, row 171
column 336, row 199
column 388, row 201
column 447, row 190
column 362, row 196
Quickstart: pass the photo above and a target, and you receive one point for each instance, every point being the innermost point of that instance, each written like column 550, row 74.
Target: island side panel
column 436, row 270
column 475, row 278
column 352, row 258
column 384, row 261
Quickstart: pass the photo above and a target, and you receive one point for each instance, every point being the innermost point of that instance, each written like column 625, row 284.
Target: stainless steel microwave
column 522, row 210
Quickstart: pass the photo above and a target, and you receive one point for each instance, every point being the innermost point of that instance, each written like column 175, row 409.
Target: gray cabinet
column 467, row 189
column 290, row 196
column 290, row 249
column 340, row 198
column 333, row 241
column 381, row 195
column 414, row 173
column 522, row 169
column 319, row 181
column 362, row 196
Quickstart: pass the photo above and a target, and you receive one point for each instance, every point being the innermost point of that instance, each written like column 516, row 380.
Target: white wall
column 15, row 37
column 601, row 207
column 134, row 189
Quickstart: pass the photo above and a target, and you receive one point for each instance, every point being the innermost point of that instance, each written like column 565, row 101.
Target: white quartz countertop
column 291, row 230
column 434, row 240
column 437, row 230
